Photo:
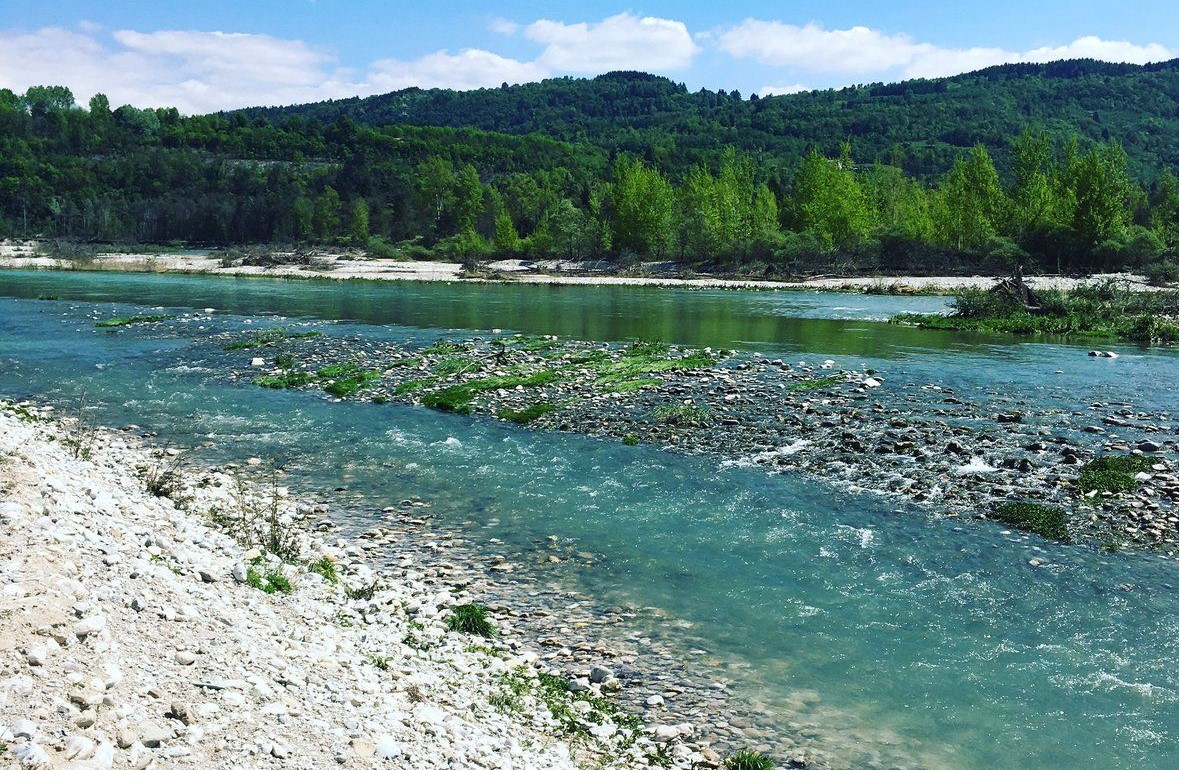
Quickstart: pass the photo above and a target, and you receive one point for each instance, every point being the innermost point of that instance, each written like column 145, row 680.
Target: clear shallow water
column 926, row 639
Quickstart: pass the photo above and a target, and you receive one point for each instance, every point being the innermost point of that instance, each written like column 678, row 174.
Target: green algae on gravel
column 115, row 323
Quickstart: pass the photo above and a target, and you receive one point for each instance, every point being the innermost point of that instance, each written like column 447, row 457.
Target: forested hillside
column 982, row 172
column 922, row 126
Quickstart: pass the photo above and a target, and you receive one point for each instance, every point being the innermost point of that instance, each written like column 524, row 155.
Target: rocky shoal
column 950, row 453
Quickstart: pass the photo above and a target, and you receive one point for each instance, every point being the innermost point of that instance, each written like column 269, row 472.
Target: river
column 901, row 639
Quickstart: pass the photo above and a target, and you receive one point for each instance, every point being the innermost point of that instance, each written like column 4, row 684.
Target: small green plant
column 284, row 361
column 680, row 414
column 649, row 348
column 1112, row 473
column 630, row 439
column 470, row 619
column 325, row 568
column 504, row 702
column 379, row 661
column 1045, row 520
column 749, row 760
column 271, row 581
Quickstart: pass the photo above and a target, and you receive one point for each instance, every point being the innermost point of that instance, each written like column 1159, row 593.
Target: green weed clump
column 283, row 381
column 749, row 760
column 271, row 581
column 115, row 323
column 1047, row 521
column 822, row 383
column 452, row 365
column 345, row 380
column 445, row 347
column 269, row 338
column 325, row 568
column 458, row 398
column 680, row 414
column 1112, row 474
column 527, row 414
column 470, row 619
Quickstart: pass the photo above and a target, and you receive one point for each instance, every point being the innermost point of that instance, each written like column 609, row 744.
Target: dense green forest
column 921, row 126
column 629, row 166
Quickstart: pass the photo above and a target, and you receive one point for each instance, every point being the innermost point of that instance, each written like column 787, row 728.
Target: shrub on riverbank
column 1107, row 309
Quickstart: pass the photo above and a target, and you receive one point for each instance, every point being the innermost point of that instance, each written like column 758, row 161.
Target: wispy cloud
column 866, row 51
column 472, row 68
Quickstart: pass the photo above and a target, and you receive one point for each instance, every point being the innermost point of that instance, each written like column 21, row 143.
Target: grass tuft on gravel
column 470, row 619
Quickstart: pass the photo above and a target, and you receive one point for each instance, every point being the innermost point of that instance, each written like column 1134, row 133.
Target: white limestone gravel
column 129, row 639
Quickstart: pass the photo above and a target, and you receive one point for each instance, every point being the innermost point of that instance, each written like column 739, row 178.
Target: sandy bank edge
column 22, row 255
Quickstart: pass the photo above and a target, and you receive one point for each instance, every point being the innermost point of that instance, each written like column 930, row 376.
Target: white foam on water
column 974, row 466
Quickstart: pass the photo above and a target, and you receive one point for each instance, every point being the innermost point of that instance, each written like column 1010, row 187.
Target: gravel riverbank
column 141, row 623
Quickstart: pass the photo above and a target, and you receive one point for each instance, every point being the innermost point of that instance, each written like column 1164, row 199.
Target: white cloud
column 469, row 69
column 207, row 71
column 866, row 51
column 796, row 88
column 622, row 42
column 199, row 71
column 193, row 71
column 811, row 47
column 504, row 26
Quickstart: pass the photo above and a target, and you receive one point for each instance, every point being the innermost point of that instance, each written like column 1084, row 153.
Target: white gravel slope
column 125, row 640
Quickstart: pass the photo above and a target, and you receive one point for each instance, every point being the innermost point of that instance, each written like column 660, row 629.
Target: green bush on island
column 470, row 619
column 1112, row 474
column 1107, row 309
column 1048, row 521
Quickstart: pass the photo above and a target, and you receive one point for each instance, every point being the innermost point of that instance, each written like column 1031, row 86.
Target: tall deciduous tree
column 642, row 202
column 972, row 203
column 829, row 202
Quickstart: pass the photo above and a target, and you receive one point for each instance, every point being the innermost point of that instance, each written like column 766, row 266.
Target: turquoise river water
column 929, row 639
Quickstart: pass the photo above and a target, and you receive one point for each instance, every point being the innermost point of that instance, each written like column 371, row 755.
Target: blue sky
column 205, row 55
